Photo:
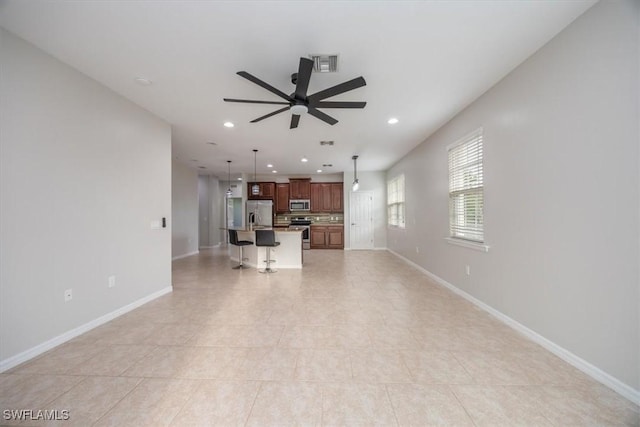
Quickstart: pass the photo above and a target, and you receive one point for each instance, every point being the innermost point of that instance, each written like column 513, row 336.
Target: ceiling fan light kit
column 299, row 102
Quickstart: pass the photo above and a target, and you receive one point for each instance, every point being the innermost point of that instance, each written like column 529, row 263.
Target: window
column 395, row 201
column 466, row 188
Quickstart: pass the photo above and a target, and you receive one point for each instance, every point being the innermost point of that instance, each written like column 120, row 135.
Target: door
column 361, row 220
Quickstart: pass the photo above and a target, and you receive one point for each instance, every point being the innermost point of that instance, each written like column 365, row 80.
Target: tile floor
column 355, row 338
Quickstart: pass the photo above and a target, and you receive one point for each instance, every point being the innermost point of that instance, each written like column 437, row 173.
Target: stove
column 304, row 224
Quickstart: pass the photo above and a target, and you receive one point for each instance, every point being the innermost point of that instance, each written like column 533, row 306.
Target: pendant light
column 255, row 188
column 356, row 183
column 229, row 192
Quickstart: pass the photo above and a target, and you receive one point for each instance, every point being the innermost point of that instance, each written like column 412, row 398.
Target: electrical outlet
column 68, row 295
column 112, row 281
column 467, row 270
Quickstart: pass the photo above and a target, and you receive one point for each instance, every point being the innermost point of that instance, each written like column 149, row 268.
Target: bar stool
column 233, row 239
column 267, row 238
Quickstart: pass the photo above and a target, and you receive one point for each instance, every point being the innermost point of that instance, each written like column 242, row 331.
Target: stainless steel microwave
column 299, row 205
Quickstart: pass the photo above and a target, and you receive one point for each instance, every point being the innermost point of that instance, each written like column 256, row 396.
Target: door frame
column 351, row 235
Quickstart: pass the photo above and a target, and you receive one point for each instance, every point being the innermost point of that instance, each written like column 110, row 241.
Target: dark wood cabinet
column 327, row 237
column 282, row 198
column 326, row 197
column 300, row 188
column 337, row 197
column 267, row 191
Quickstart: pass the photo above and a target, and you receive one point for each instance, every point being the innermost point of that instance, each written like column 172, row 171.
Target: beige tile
column 92, row 398
column 133, row 334
column 432, row 405
column 60, row 359
column 211, row 362
column 112, row 360
column 287, row 404
column 163, row 362
column 26, row 391
column 356, row 405
column 342, row 336
column 587, row 406
column 323, row 365
column 217, row 403
column 379, row 366
column 239, row 336
column 300, row 336
column 154, row 402
column 396, row 337
column 495, row 367
column 172, row 334
column 503, row 405
column 265, row 364
column 435, row 368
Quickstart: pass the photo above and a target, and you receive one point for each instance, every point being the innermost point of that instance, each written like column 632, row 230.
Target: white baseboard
column 60, row 339
column 185, row 255
column 576, row 361
column 369, row 249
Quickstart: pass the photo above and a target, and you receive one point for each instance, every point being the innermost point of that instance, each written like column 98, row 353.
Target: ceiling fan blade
column 251, row 101
column 329, row 104
column 338, row 89
column 304, row 76
column 265, row 85
column 295, row 119
column 270, row 114
column 322, row 116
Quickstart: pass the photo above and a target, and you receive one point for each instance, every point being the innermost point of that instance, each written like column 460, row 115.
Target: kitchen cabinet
column 282, row 198
column 326, row 197
column 327, row 237
column 267, row 191
column 300, row 189
column 337, row 197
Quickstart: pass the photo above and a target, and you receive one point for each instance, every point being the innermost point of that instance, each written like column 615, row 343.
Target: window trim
column 403, row 224
column 451, row 238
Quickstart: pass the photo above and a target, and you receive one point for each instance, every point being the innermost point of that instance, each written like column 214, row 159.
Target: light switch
column 155, row 225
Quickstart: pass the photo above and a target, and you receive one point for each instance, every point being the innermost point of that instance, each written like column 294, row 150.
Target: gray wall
column 184, row 208
column 369, row 181
column 83, row 173
column 561, row 142
column 204, row 208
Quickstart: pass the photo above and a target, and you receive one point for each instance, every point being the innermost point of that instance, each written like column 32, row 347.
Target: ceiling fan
column 299, row 102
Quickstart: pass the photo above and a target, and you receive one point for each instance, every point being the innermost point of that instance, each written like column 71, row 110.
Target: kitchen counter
column 288, row 254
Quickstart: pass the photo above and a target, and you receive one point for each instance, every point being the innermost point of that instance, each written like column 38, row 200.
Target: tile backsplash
column 316, row 218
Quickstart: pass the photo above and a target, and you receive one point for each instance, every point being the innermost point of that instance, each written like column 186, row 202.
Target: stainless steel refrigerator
column 259, row 213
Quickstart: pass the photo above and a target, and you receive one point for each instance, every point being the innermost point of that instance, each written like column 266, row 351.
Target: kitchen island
column 287, row 255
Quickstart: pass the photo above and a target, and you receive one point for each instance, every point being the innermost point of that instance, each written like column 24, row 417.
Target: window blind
column 466, row 193
column 395, row 201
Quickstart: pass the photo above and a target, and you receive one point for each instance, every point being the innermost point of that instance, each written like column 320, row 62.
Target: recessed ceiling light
column 269, row 165
column 239, row 179
column 392, row 121
column 274, row 171
column 142, row 81
column 319, row 171
column 228, row 124
column 304, row 160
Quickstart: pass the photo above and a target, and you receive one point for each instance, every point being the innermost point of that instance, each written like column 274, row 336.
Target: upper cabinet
column 300, row 188
column 267, row 191
column 326, row 197
column 282, row 198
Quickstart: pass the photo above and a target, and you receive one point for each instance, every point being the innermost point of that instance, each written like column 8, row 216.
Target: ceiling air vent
column 330, row 143
column 327, row 165
column 325, row 63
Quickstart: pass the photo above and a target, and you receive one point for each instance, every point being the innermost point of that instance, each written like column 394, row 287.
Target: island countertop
column 288, row 254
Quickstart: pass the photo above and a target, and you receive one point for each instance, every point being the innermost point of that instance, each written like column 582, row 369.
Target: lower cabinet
column 327, row 237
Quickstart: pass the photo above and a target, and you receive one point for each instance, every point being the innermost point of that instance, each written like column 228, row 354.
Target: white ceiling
column 423, row 63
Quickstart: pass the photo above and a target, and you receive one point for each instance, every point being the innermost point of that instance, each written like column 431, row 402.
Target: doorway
column 361, row 216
